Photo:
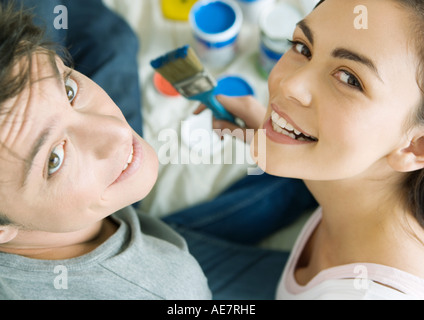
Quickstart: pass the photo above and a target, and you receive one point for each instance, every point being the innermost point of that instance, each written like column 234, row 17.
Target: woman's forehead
column 385, row 38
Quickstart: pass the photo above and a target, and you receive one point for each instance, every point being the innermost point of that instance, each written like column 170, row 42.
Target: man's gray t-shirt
column 143, row 259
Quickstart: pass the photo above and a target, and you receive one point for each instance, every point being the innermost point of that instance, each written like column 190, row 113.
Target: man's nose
column 102, row 135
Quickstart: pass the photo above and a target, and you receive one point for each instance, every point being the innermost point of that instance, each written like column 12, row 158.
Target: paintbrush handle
column 209, row 100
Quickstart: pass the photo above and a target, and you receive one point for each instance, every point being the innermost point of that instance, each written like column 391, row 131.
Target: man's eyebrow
column 56, row 72
column 36, row 148
column 306, row 30
column 342, row 53
column 44, row 135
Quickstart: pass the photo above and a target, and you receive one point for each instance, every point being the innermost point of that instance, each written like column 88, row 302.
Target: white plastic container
column 252, row 8
column 308, row 5
column 277, row 24
column 216, row 25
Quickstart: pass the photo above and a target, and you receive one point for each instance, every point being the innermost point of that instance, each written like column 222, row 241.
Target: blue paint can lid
column 233, row 86
column 216, row 20
column 215, row 17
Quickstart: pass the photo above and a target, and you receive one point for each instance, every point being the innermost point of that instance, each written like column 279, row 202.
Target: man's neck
column 60, row 246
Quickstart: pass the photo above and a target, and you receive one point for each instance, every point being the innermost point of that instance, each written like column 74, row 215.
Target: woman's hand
column 246, row 108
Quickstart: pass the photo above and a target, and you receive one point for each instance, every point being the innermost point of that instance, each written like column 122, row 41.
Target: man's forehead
column 47, row 66
column 43, row 65
column 18, row 114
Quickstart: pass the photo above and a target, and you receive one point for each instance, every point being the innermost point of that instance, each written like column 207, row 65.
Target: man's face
column 68, row 156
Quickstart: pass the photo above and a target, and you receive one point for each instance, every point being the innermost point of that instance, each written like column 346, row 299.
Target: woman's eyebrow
column 341, row 53
column 306, row 30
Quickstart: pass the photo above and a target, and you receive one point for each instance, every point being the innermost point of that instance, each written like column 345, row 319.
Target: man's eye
column 56, row 159
column 71, row 88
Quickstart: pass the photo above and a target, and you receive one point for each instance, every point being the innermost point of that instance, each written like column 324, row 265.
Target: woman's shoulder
column 348, row 281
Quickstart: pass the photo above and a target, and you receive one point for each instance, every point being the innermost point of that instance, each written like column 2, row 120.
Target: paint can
column 277, row 23
column 308, row 5
column 163, row 86
column 252, row 8
column 177, row 9
column 216, row 25
column 233, row 86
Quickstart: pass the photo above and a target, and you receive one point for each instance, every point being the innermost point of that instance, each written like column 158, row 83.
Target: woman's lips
column 281, row 129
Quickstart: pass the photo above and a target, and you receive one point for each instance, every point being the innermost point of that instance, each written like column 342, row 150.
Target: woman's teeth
column 130, row 158
column 281, row 125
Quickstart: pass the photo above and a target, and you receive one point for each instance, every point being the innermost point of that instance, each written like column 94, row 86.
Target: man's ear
column 7, row 233
column 410, row 157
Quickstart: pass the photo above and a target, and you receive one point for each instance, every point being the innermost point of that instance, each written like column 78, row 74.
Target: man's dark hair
column 20, row 38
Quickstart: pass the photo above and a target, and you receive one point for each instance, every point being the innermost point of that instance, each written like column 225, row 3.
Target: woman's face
column 349, row 91
column 66, row 146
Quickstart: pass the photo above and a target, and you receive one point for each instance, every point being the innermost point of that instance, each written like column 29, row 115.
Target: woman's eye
column 349, row 79
column 301, row 48
column 71, row 88
column 56, row 159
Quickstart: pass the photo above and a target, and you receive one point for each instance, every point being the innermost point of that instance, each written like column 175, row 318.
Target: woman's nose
column 298, row 85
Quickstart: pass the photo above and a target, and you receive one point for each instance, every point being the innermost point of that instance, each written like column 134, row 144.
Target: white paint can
column 277, row 24
column 216, row 25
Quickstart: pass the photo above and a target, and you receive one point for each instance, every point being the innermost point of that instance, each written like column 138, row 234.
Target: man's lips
column 133, row 162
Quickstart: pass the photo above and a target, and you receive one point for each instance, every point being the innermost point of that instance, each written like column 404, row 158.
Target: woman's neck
column 362, row 221
column 355, row 204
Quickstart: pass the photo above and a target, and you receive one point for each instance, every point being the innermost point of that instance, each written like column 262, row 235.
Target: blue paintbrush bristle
column 178, row 65
column 180, row 53
column 183, row 69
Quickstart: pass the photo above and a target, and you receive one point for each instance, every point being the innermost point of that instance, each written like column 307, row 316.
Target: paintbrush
column 184, row 71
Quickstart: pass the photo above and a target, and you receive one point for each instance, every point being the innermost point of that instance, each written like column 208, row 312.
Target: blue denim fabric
column 251, row 209
column 234, row 271
column 221, row 234
column 102, row 45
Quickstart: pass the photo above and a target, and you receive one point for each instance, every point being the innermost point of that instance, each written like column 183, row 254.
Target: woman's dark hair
column 414, row 182
column 319, row 3
column 413, row 186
